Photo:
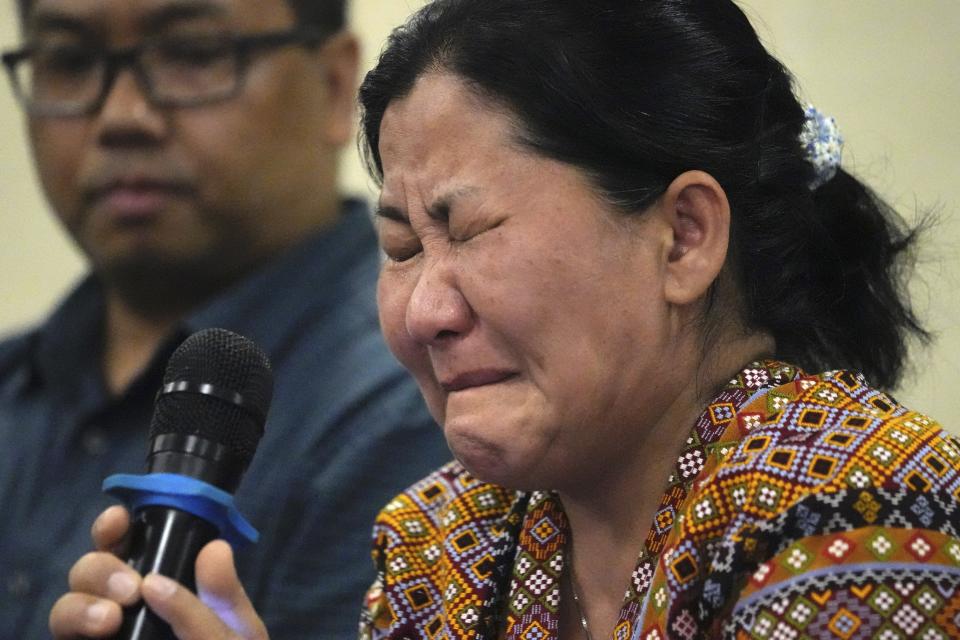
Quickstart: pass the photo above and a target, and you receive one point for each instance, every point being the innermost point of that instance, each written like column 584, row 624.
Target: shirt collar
column 68, row 344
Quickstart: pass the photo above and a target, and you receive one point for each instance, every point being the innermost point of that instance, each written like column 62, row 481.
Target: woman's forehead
column 440, row 98
column 441, row 121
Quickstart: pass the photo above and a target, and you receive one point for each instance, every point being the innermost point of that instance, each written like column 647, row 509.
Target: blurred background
column 888, row 70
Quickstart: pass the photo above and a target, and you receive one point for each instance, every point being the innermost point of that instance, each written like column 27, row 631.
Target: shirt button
column 19, row 584
column 94, row 442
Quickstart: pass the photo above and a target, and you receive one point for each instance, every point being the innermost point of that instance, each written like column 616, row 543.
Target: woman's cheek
column 390, row 312
column 393, row 294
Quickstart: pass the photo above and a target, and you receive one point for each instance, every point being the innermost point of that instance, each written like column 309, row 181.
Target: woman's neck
column 611, row 517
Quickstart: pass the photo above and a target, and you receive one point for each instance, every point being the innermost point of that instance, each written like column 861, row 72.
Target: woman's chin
column 498, row 442
column 494, row 462
column 485, row 460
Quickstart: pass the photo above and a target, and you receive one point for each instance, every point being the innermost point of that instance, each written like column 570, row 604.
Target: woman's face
column 529, row 311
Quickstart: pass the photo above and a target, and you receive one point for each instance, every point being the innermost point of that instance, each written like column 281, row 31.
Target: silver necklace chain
column 576, row 600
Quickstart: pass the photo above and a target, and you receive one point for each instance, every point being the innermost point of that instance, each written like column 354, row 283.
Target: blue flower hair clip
column 823, row 145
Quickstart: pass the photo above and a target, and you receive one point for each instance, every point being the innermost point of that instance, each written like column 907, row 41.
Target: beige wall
column 889, row 70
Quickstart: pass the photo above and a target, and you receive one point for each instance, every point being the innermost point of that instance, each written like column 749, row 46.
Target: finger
column 103, row 574
column 187, row 616
column 221, row 611
column 77, row 615
column 110, row 529
column 220, row 588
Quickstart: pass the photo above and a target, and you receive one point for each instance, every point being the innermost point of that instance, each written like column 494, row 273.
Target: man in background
column 189, row 148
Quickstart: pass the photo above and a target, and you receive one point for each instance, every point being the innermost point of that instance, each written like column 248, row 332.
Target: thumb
column 218, row 586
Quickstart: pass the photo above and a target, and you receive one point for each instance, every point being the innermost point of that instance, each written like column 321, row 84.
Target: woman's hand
column 101, row 585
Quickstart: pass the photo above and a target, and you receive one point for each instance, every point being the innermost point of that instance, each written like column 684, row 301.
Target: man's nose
column 126, row 115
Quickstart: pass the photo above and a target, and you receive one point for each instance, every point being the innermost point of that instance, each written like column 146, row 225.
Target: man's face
column 197, row 194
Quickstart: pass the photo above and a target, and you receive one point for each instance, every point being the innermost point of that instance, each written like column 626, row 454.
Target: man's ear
column 696, row 209
column 341, row 57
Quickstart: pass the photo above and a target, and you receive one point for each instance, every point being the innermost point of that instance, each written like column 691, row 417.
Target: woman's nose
column 437, row 310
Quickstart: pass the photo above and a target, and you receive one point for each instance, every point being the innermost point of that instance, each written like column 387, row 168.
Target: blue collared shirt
column 347, row 431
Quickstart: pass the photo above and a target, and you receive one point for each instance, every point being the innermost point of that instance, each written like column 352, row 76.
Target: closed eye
column 397, row 240
column 401, row 255
column 470, row 234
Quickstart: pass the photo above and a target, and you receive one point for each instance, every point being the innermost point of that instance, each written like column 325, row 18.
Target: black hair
column 327, row 15
column 634, row 93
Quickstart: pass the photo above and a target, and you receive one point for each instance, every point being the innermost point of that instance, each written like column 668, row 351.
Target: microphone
column 207, row 422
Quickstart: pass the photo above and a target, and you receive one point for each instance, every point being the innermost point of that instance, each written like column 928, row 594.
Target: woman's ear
column 696, row 209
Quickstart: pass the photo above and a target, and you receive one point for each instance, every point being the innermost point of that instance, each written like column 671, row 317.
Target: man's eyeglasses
column 74, row 79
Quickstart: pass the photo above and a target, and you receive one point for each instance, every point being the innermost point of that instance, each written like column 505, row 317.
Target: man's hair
column 327, row 15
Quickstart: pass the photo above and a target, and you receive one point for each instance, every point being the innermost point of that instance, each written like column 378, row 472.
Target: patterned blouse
column 802, row 506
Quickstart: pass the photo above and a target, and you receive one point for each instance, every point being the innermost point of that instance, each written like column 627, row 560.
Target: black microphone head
column 217, row 386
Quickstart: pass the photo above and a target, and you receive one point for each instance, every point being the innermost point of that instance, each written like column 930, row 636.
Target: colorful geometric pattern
column 534, row 598
column 442, row 548
column 801, row 507
column 815, row 469
column 912, row 602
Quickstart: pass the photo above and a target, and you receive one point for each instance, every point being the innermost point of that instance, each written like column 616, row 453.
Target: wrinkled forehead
column 435, row 128
column 142, row 17
column 442, row 140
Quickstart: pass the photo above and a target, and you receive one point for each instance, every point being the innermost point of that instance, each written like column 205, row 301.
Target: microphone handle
column 163, row 540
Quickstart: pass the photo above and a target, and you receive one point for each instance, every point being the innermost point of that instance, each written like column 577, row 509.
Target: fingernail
column 97, row 613
column 161, row 586
column 121, row 585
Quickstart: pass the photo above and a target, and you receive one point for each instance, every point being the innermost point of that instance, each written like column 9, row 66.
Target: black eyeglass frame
column 243, row 46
